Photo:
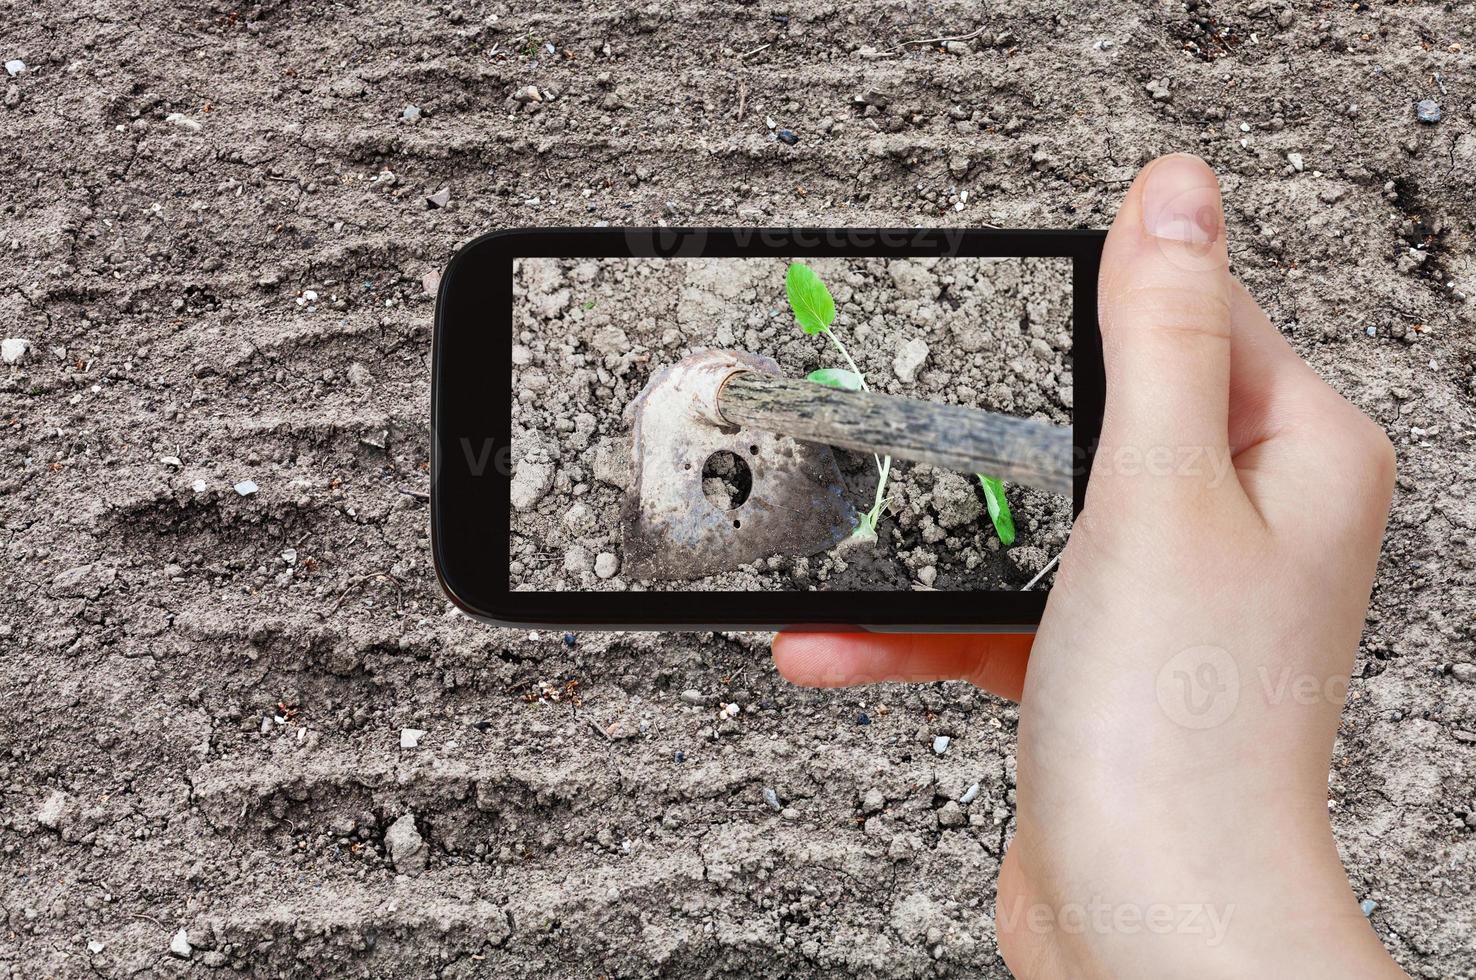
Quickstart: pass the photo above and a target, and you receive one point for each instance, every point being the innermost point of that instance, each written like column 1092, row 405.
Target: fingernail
column 1181, row 201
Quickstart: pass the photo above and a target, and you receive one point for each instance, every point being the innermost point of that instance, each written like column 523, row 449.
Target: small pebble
column 1368, row 905
column 94, row 947
column 246, row 488
column 1428, row 111
column 789, row 813
column 970, row 795
column 15, row 67
column 788, row 136
column 410, row 737
column 411, row 113
column 606, row 565
column 180, row 121
column 570, row 640
column 862, row 718
column 180, row 946
column 941, row 743
column 13, row 349
column 1295, row 159
column 198, row 486
column 692, row 696
column 771, row 798
column 440, row 198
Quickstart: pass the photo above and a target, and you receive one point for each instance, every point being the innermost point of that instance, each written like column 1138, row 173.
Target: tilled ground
column 205, row 691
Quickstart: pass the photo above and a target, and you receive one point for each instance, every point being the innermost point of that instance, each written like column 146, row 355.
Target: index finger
column 993, row 661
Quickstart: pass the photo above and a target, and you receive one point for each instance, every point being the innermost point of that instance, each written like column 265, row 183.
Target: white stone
column 15, row 67
column 180, row 121
column 406, row 846
column 14, row 349
column 941, row 743
column 410, row 737
column 180, row 945
column 909, row 359
column 246, row 487
column 1295, row 159
column 606, row 565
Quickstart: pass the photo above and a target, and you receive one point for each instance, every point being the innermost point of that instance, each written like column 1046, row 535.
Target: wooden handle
column 966, row 440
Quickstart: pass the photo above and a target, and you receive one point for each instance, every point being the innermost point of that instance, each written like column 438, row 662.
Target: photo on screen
column 591, row 458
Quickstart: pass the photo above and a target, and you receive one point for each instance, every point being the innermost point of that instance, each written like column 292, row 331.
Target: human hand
column 1184, row 687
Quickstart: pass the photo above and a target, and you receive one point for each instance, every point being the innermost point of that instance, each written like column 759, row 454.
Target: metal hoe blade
column 671, row 529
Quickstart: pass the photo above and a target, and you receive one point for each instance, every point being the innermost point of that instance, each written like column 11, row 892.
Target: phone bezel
column 471, row 426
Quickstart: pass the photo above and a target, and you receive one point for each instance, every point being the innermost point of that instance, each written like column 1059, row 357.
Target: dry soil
column 219, row 247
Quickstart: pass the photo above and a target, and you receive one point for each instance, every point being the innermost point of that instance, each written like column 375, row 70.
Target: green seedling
column 814, row 311
column 999, row 509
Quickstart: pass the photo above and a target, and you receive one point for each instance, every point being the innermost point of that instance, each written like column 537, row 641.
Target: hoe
column 782, row 429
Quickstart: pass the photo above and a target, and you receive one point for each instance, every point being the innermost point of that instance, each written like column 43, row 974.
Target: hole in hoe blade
column 726, row 480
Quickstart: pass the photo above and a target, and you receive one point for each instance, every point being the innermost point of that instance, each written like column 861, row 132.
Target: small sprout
column 813, row 306
column 814, row 311
column 999, row 509
column 837, row 378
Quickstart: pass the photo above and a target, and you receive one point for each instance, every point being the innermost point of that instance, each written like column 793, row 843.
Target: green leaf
column 814, row 309
column 999, row 509
column 836, row 378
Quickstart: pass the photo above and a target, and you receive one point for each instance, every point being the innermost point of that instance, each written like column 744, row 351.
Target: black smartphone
column 762, row 428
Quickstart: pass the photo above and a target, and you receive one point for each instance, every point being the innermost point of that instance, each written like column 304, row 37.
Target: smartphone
column 762, row 428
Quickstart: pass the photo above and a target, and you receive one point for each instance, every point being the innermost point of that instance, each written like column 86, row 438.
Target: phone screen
column 591, row 334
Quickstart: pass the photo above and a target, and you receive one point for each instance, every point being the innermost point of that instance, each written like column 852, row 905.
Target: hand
column 1184, row 687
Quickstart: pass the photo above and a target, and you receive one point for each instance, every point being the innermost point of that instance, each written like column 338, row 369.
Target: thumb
column 1164, row 307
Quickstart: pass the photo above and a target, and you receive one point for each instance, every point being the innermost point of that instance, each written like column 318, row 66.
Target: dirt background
column 151, row 635
column 990, row 334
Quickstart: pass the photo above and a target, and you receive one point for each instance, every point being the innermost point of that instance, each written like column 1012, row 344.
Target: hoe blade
column 671, row 529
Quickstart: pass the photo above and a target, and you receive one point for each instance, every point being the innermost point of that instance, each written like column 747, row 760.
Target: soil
column 990, row 334
column 249, row 298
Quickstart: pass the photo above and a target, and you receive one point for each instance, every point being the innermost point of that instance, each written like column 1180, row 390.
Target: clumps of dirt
column 989, row 333
column 205, row 694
